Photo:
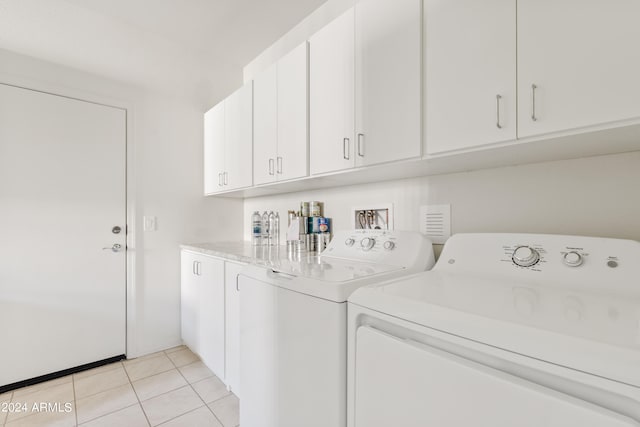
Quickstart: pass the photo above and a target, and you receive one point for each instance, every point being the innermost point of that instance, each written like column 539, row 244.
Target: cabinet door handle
column 226, row 178
column 220, row 179
column 279, row 164
column 237, row 284
column 270, row 166
column 360, row 138
column 498, row 98
column 533, row 102
column 193, row 267
column 345, row 148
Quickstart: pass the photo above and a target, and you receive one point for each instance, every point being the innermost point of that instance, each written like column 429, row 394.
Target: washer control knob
column 524, row 256
column 367, row 243
column 389, row 245
column 572, row 259
column 349, row 241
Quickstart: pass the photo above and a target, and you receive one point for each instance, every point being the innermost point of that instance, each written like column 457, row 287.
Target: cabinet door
column 388, row 80
column 189, row 306
column 211, row 301
column 214, row 149
column 470, row 68
column 239, row 138
column 331, row 96
column 232, row 327
column 582, row 57
column 293, row 118
column 265, row 121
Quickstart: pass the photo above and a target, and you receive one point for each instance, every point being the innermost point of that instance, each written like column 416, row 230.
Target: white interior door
column 401, row 382
column 62, row 190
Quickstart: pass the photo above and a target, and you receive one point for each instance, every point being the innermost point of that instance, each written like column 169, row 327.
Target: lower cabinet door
column 211, row 314
column 189, row 300
column 232, row 327
column 405, row 383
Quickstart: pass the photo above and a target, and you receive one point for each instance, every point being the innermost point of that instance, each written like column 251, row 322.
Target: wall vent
column 435, row 222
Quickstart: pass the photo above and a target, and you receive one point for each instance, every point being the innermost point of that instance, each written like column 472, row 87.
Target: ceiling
column 187, row 47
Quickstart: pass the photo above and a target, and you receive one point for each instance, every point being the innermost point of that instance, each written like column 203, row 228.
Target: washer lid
column 327, row 269
column 589, row 331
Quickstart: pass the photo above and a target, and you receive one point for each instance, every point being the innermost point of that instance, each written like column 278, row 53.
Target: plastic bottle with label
column 256, row 229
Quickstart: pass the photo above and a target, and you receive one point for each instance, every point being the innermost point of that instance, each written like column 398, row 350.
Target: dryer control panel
column 572, row 261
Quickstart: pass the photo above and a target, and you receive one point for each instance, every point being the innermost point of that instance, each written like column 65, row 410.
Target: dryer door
column 405, row 383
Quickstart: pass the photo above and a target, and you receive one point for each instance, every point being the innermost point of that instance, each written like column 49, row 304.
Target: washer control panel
column 401, row 248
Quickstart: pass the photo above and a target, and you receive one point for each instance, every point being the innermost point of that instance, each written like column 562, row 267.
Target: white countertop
column 245, row 252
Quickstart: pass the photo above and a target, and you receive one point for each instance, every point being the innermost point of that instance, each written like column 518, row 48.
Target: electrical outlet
column 376, row 218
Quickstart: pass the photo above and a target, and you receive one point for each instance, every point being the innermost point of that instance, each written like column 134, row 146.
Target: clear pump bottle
column 272, row 228
column 265, row 228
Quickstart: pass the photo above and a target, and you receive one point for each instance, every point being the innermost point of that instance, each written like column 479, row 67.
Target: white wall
column 595, row 196
column 165, row 134
column 298, row 34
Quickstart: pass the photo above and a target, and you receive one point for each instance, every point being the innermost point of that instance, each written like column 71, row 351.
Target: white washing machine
column 293, row 325
column 507, row 330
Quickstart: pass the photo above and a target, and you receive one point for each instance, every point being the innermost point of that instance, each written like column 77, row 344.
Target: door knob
column 115, row 248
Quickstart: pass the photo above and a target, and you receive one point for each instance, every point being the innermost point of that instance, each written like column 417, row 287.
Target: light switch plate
column 435, row 222
column 150, row 223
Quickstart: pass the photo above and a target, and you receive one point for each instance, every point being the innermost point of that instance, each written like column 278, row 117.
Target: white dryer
column 506, row 330
column 293, row 325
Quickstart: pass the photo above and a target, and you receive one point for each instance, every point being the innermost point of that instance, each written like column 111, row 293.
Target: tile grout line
column 136, row 393
column 75, row 399
column 194, row 390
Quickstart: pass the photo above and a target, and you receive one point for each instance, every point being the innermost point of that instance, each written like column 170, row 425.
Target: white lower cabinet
column 202, row 308
column 232, row 326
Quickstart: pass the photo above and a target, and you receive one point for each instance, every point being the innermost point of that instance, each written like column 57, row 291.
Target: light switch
column 150, row 223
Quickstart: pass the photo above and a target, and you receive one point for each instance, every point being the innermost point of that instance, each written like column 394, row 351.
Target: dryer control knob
column 572, row 259
column 349, row 241
column 524, row 256
column 367, row 243
column 389, row 245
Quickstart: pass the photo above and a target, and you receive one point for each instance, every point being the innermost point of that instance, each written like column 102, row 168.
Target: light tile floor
column 171, row 388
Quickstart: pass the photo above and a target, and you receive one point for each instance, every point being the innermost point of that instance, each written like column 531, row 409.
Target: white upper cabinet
column 214, row 149
column 228, row 143
column 281, row 139
column 470, row 73
column 331, row 96
column 238, row 152
column 578, row 64
column 265, row 126
column 292, row 160
column 388, row 36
